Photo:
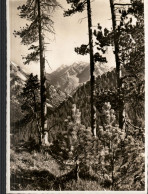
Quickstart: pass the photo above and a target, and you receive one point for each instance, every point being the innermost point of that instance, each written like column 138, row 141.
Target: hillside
column 60, row 103
column 68, row 78
column 18, row 77
column 17, row 80
column 73, row 80
column 104, row 84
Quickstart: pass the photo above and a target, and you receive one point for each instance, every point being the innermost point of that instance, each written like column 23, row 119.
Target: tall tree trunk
column 118, row 66
column 42, row 75
column 37, row 120
column 92, row 68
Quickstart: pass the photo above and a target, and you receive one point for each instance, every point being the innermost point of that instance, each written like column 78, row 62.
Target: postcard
column 76, row 106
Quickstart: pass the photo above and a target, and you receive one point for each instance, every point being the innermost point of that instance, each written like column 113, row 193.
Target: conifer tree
column 38, row 15
column 128, row 37
column 122, row 156
column 79, row 6
column 31, row 103
column 74, row 145
column 132, row 57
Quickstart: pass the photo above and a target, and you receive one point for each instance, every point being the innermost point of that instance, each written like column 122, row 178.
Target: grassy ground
column 38, row 171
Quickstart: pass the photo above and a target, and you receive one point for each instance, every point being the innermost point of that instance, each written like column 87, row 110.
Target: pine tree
column 74, row 145
column 79, row 6
column 31, row 103
column 129, row 49
column 131, row 52
column 122, row 155
column 38, row 13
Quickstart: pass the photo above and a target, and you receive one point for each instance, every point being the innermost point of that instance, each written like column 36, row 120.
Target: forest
column 94, row 137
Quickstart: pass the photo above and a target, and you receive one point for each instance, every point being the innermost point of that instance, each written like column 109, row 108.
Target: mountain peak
column 18, row 71
column 68, row 78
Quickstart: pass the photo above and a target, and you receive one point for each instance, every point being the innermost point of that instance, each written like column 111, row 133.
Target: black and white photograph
column 76, row 96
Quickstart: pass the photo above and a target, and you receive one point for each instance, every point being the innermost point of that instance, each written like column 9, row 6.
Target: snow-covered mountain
column 68, row 78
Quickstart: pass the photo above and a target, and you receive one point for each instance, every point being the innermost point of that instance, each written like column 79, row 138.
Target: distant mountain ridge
column 16, row 70
column 68, row 78
column 18, row 76
column 60, row 84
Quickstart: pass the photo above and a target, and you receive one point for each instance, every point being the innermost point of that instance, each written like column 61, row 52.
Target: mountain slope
column 68, row 78
column 17, row 71
column 18, row 76
column 105, row 84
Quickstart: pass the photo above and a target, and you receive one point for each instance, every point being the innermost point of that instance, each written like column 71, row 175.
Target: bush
column 115, row 158
column 122, row 156
column 74, row 146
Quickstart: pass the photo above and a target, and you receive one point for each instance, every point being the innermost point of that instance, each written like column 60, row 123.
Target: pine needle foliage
column 30, row 32
column 122, row 156
column 115, row 158
column 31, row 106
column 74, row 146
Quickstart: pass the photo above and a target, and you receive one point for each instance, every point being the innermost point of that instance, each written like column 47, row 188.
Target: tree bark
column 42, row 75
column 37, row 120
column 118, row 66
column 92, row 68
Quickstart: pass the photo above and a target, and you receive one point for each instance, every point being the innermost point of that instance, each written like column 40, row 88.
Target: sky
column 70, row 32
